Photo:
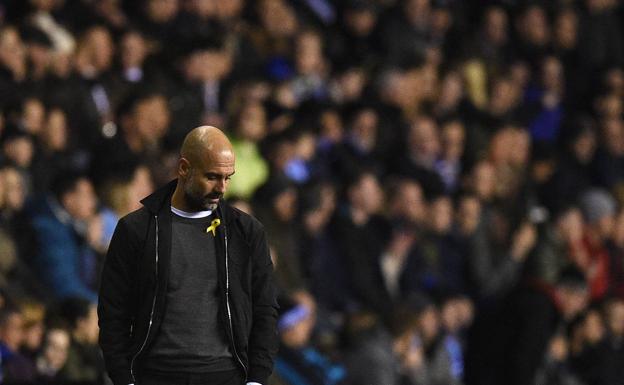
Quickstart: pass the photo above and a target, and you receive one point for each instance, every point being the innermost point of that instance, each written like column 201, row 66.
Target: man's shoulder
column 136, row 219
column 246, row 221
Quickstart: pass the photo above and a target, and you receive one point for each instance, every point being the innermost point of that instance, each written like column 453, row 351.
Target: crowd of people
column 441, row 181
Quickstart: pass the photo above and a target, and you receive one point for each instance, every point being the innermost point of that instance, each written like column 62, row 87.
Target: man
column 187, row 292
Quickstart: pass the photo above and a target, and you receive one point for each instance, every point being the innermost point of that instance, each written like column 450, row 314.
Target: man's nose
column 220, row 186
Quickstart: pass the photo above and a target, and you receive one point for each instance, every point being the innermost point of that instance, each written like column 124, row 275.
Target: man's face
column 12, row 332
column 152, row 118
column 56, row 348
column 572, row 301
column 411, row 203
column 81, row 202
column 369, row 195
column 206, row 181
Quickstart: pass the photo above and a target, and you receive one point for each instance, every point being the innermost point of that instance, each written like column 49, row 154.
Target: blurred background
column 441, row 180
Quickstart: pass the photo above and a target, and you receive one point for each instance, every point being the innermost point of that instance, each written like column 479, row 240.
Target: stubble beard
column 196, row 201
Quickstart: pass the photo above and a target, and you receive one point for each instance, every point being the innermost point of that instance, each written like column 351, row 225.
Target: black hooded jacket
column 134, row 283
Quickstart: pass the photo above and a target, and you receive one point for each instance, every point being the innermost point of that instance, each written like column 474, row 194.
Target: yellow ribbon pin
column 213, row 226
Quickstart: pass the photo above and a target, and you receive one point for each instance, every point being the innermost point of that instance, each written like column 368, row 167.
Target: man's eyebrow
column 210, row 173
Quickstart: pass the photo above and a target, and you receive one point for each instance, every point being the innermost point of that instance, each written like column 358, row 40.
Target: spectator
column 600, row 37
column 423, row 150
column 405, row 33
column 33, row 314
column 587, row 346
column 322, row 267
column 494, row 268
column 371, row 350
column 546, row 99
column 552, row 254
column 12, row 62
column 276, row 206
column 573, row 173
column 358, row 232
column 359, row 145
column 85, row 362
column 614, row 340
column 15, row 367
column 53, row 355
column 310, row 81
column 65, row 258
column 123, row 192
column 297, row 361
column 159, row 21
column 199, row 87
column 527, row 320
column 354, row 43
column 592, row 256
column 144, row 121
column 92, row 109
column 441, row 265
column 556, row 367
column 435, row 367
column 18, row 150
column 448, row 166
column 610, row 155
column 250, row 128
column 406, row 202
column 533, row 33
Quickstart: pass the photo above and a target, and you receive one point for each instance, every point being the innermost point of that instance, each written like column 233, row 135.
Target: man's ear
column 184, row 167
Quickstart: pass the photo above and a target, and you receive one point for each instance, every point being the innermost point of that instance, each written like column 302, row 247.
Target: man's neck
column 177, row 199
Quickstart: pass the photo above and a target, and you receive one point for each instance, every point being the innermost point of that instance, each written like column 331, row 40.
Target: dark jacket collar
column 155, row 201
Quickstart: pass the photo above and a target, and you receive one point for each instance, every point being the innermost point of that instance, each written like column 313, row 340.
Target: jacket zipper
column 227, row 302
column 151, row 319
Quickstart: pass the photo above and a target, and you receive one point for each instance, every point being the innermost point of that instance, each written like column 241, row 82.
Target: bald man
column 187, row 295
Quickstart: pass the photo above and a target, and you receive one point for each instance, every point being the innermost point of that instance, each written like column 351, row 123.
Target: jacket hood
column 155, row 201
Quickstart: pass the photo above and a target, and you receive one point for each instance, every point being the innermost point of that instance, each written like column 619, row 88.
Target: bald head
column 204, row 170
column 205, row 141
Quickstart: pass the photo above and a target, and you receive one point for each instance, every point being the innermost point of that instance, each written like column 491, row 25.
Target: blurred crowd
column 441, row 181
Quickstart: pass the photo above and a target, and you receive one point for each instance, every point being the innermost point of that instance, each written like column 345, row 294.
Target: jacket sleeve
column 263, row 341
column 115, row 307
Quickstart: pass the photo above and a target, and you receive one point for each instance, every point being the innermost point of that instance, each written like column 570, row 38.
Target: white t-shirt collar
column 195, row 215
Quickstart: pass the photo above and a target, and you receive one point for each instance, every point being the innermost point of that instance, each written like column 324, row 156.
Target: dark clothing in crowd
column 508, row 340
column 16, row 368
column 307, row 366
column 360, row 247
column 84, row 364
column 371, row 359
column 64, row 260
